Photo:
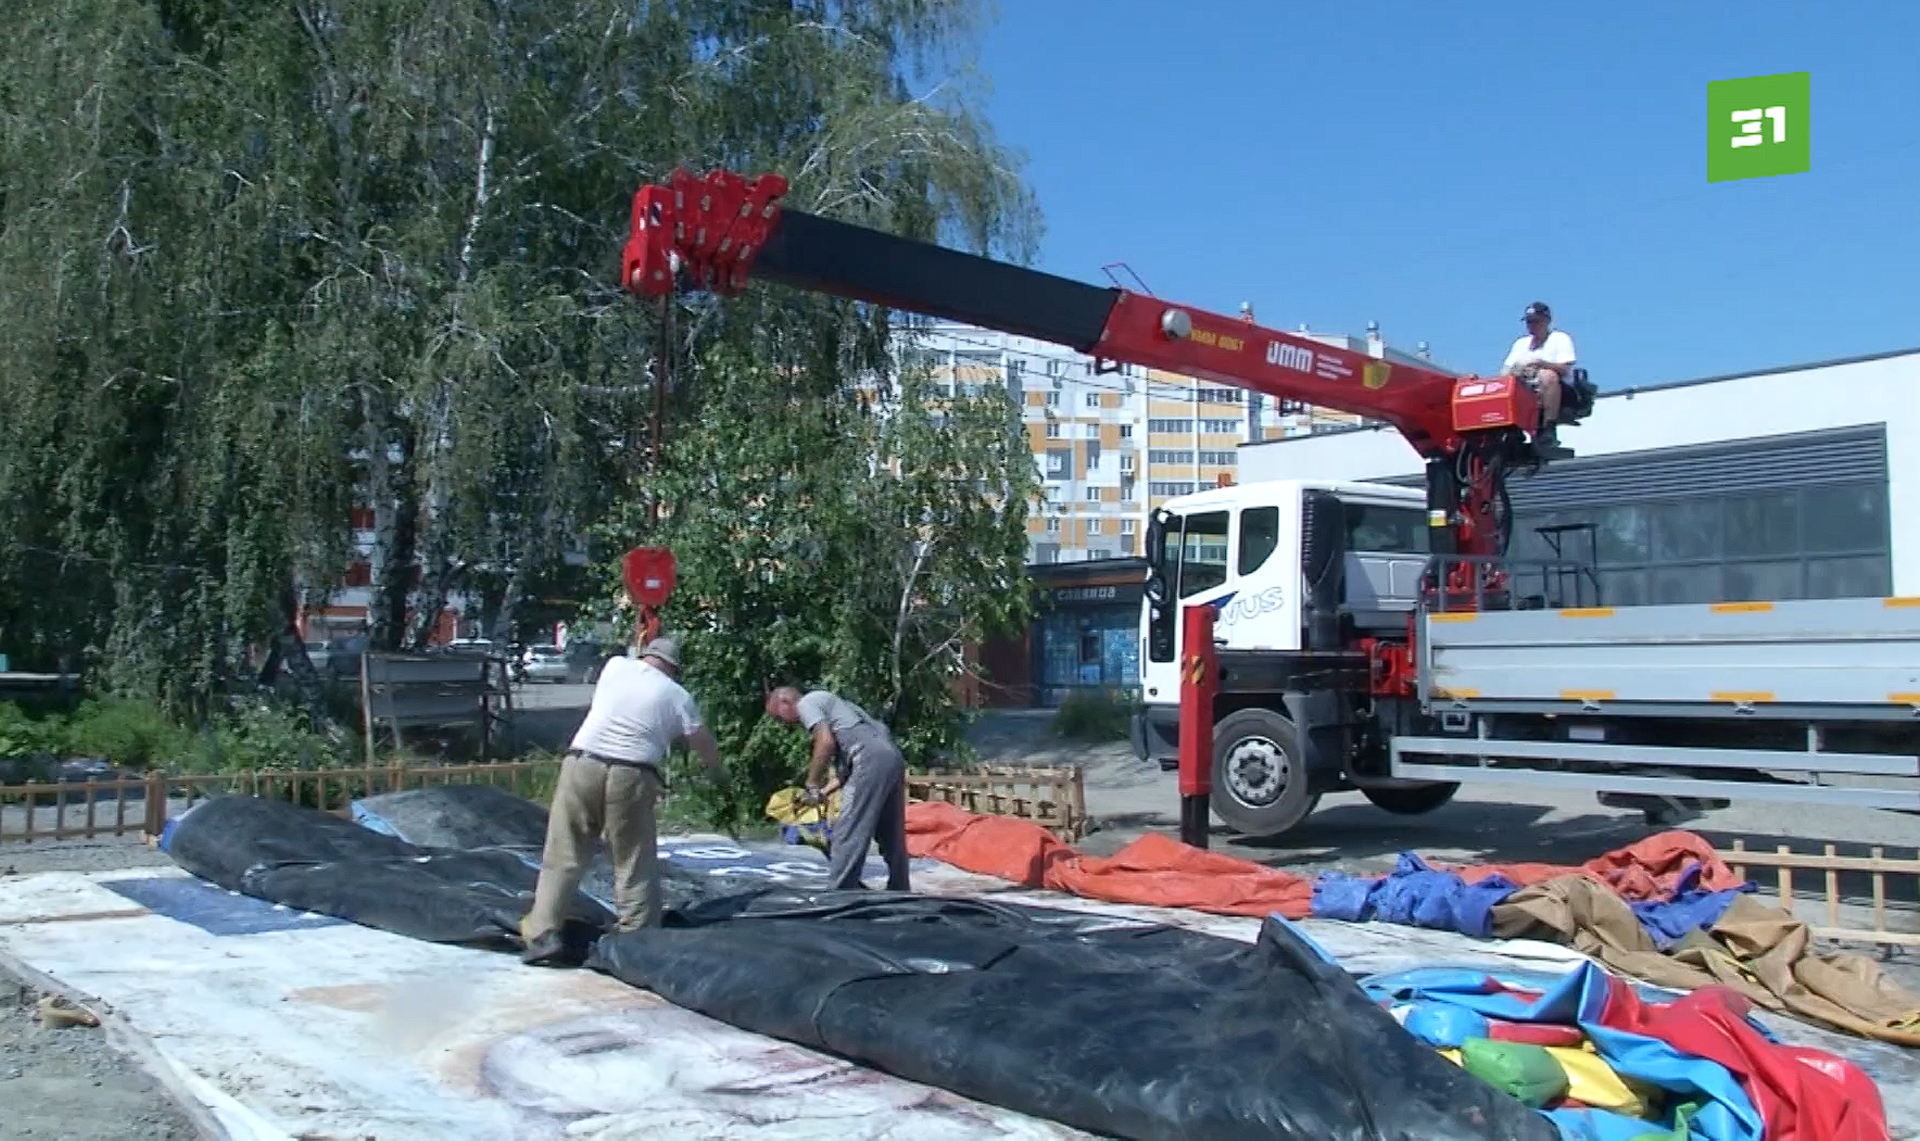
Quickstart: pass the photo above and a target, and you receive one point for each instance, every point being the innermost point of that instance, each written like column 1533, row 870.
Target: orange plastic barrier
column 1153, row 871
column 1156, row 871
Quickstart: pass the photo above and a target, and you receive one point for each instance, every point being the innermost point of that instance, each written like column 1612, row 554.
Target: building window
column 1165, row 488
column 1126, row 431
column 1093, row 495
column 1168, row 456
column 1053, row 526
column 1126, row 463
column 1126, row 526
column 1170, row 427
column 1813, row 542
column 1053, row 400
column 1220, row 459
column 1053, row 431
column 1093, row 526
column 1219, row 427
column 1093, row 400
column 1220, row 395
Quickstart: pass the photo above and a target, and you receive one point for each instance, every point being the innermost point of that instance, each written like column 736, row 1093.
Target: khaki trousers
column 592, row 799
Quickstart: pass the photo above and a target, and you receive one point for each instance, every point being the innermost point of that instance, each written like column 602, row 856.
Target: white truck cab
column 1241, row 549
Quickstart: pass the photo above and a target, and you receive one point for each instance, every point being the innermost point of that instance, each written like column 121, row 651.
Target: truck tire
column 1411, row 801
column 1260, row 786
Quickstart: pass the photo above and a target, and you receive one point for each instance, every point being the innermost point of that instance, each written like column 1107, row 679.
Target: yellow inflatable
column 809, row 824
column 1592, row 1082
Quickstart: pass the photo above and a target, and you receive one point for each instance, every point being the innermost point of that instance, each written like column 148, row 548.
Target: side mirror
column 1157, row 588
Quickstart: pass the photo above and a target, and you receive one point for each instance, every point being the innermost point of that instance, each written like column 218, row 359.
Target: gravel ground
column 69, row 1082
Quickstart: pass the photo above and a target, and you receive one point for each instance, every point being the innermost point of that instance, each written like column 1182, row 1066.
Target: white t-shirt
column 637, row 714
column 1556, row 349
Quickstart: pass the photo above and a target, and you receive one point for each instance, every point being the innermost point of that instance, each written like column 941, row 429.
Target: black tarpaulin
column 314, row 861
column 1120, row 1028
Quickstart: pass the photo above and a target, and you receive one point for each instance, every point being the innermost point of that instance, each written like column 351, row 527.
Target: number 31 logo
column 1757, row 127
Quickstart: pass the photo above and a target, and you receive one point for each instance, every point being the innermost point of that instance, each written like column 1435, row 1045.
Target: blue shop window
column 1088, row 649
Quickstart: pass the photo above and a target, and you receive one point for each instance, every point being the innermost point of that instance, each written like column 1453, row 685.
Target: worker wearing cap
column 1543, row 357
column 871, row 775
column 609, row 783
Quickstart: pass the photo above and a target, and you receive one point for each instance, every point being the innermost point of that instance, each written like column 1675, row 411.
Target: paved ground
column 71, row 1083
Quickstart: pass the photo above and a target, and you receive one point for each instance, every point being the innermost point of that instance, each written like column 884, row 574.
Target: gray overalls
column 873, row 806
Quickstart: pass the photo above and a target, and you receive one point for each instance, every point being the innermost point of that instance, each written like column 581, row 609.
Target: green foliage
column 262, row 735
column 1094, row 715
column 23, row 735
column 827, row 532
column 131, row 734
column 268, row 260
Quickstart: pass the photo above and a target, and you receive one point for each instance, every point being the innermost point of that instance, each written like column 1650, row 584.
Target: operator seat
column 1576, row 397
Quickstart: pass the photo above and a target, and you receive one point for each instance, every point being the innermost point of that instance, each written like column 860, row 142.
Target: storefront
column 1086, row 633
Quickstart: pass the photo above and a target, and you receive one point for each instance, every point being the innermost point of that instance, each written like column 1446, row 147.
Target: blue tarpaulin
column 1413, row 895
column 1668, row 921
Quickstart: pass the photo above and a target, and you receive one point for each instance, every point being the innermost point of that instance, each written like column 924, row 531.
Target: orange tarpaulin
column 1155, row 871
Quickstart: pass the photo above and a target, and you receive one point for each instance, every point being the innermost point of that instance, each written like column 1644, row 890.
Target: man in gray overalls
column 871, row 776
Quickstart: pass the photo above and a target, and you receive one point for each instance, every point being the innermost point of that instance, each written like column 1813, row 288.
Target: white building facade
column 1800, row 482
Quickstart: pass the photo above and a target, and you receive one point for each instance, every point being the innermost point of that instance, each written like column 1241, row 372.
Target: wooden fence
column 142, row 805
column 1876, row 896
column 1053, row 798
column 70, row 810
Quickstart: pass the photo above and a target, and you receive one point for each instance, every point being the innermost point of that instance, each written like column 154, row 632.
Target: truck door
column 1192, row 568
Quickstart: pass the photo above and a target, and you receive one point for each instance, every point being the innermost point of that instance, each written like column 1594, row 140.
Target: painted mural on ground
column 397, row 1038
column 287, row 1026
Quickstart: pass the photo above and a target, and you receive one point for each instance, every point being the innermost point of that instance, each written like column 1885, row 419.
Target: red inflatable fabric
column 1801, row 1094
column 1648, row 870
column 1153, row 871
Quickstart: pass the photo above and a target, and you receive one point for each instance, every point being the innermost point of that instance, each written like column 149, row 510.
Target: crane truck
column 1371, row 637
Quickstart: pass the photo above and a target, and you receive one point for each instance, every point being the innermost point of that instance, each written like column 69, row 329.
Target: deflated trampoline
column 314, row 861
column 1108, row 1025
column 1121, row 1028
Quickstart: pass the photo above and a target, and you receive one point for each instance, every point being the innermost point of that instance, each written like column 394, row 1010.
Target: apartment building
column 1111, row 443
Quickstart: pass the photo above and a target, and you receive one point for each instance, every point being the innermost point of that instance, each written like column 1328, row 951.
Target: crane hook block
column 703, row 230
column 647, row 573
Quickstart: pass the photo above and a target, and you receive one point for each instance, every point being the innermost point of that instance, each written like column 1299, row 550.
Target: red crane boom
column 710, row 233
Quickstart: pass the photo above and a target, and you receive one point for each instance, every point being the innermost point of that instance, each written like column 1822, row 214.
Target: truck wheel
column 1259, row 783
column 1411, row 801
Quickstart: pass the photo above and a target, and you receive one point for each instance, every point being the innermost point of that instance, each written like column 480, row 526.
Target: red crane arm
column 710, row 233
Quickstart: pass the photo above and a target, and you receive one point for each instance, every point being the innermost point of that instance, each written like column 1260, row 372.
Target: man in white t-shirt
column 1543, row 357
column 609, row 783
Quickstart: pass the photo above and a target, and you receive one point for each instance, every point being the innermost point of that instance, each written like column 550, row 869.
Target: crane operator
column 1543, row 358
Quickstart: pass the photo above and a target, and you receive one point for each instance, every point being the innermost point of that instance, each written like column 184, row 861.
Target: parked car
column 544, row 663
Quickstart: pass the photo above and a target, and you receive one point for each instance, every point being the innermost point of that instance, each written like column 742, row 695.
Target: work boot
column 548, row 950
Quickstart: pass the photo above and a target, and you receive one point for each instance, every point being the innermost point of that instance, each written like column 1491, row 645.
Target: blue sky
column 1435, row 166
